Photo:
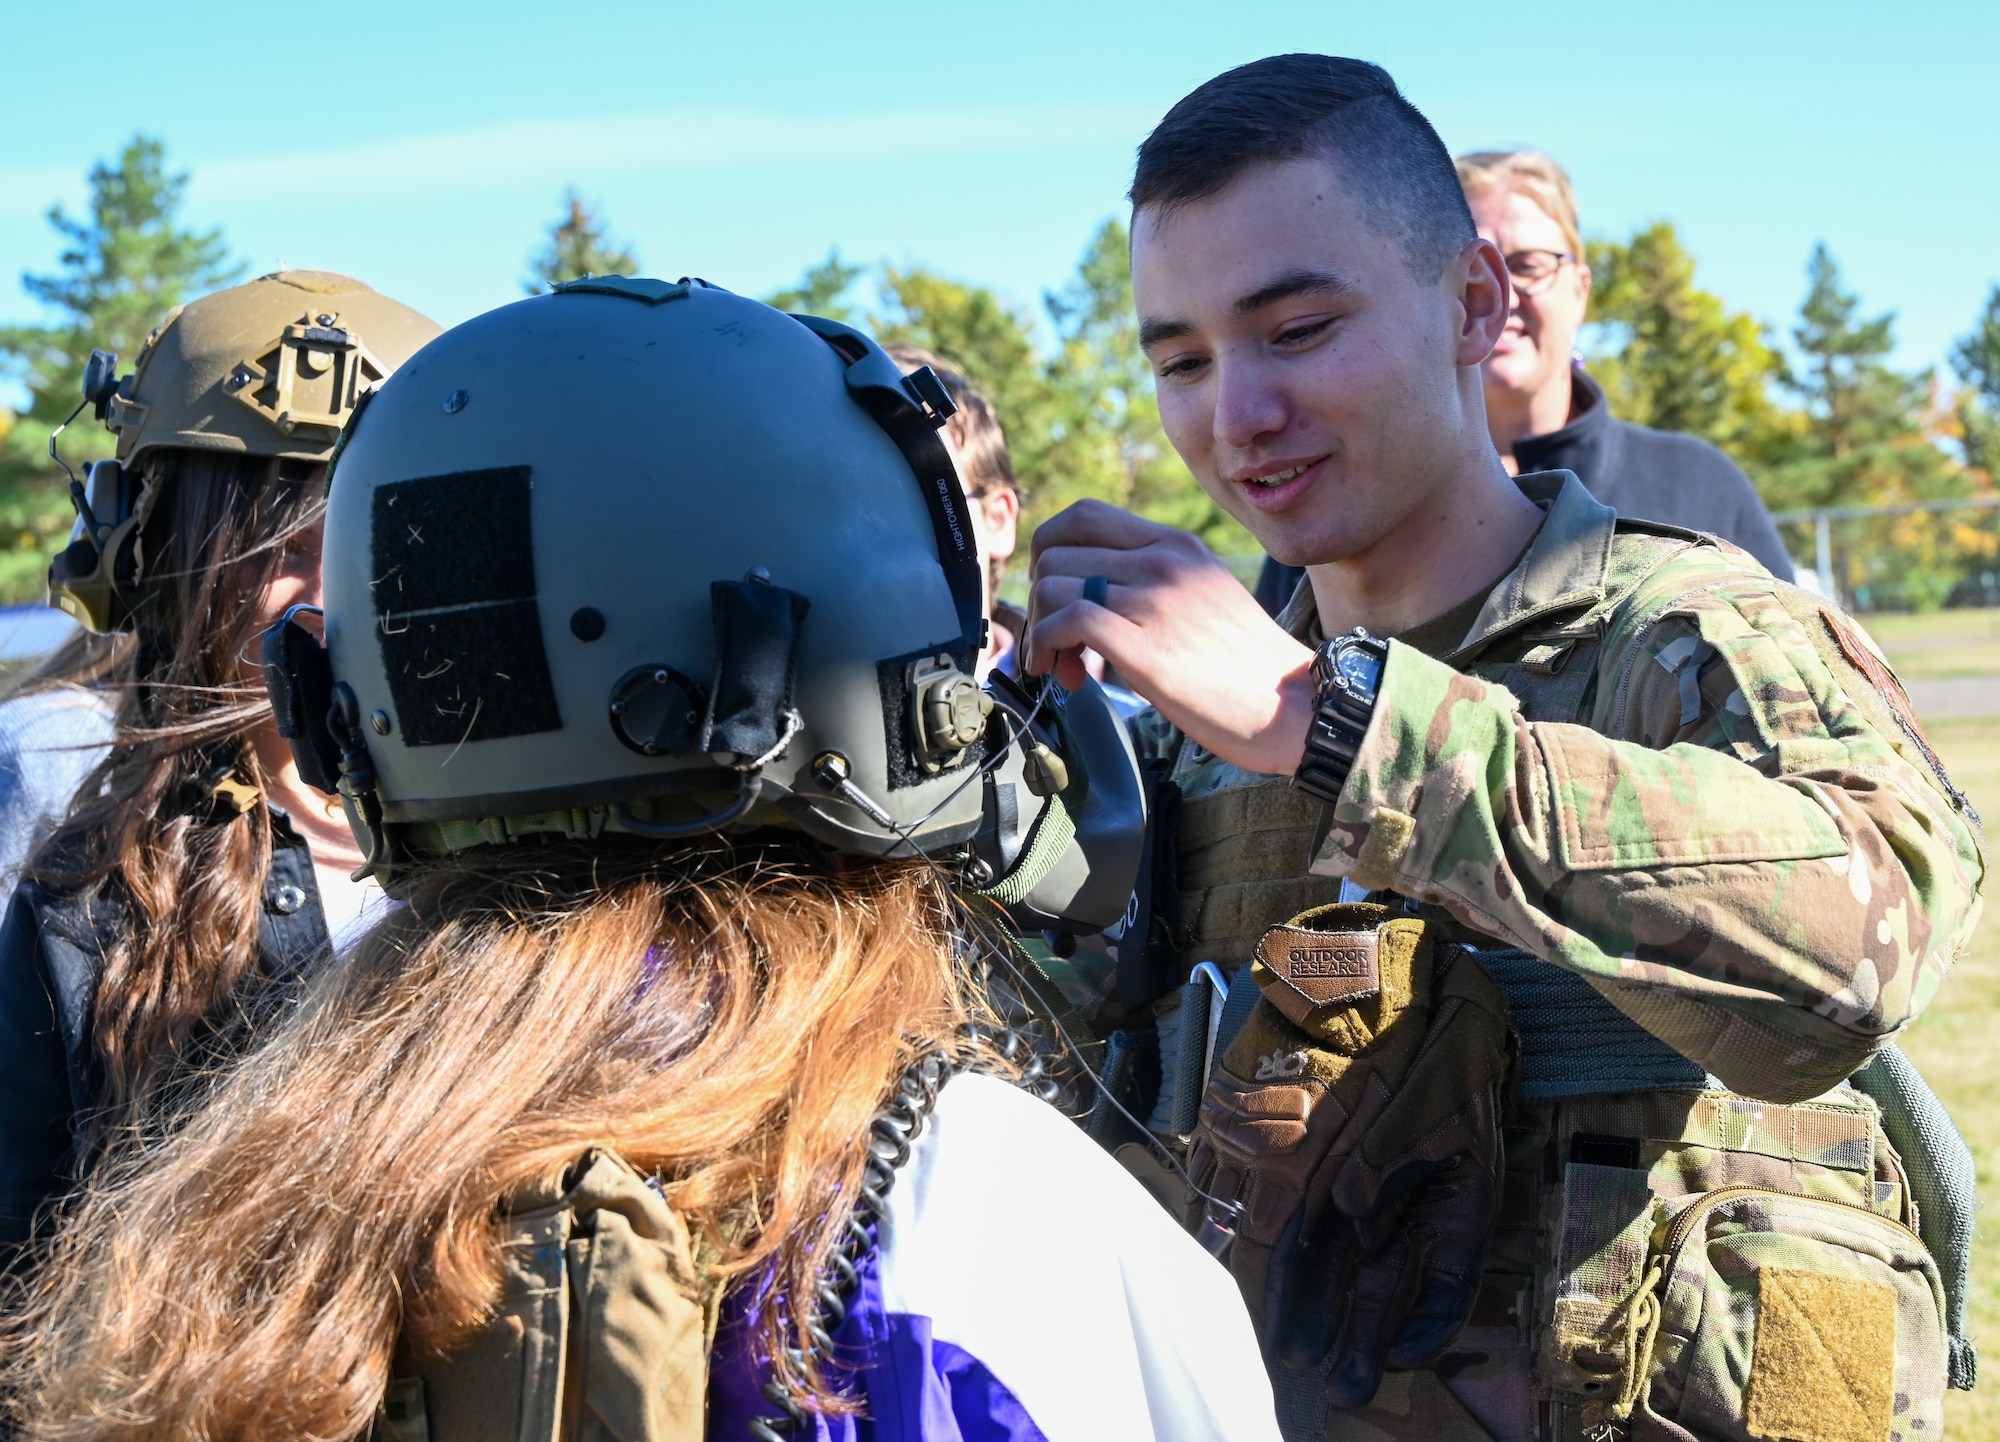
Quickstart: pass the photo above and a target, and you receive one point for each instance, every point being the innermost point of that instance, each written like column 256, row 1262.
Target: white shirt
column 1030, row 1249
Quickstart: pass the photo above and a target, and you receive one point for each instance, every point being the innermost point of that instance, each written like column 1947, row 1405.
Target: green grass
column 1944, row 643
column 1953, row 1042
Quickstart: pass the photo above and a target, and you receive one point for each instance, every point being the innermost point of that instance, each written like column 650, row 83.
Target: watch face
column 1358, row 669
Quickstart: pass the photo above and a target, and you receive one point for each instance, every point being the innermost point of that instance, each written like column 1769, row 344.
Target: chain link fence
column 1910, row 556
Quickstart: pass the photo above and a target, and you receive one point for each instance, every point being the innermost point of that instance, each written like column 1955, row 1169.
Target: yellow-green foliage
column 123, row 267
column 1076, row 399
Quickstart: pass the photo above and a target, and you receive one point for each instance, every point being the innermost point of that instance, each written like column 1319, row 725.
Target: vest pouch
column 1767, row 1315
column 600, row 1334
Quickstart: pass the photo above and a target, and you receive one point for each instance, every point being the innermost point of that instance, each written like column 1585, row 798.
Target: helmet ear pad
column 95, row 578
column 1061, row 850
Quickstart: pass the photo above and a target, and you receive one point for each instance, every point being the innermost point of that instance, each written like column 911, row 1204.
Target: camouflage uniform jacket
column 1653, row 765
column 1699, row 790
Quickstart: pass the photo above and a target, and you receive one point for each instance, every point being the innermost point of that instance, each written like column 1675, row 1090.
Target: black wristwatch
column 1347, row 673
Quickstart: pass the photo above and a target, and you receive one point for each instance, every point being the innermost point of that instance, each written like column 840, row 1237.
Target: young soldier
column 1627, row 803
column 1544, row 411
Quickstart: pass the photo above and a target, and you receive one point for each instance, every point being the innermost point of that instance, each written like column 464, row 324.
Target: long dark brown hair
column 725, row 1017
column 145, row 829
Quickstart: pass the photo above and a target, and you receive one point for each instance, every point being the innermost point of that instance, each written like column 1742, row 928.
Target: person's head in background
column 978, row 447
column 1521, row 200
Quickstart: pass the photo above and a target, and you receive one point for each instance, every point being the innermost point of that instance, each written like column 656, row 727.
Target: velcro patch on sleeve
column 1312, row 972
column 1863, row 658
column 1824, row 1364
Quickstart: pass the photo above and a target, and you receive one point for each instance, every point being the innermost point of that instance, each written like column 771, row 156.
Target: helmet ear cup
column 1064, row 821
column 299, row 675
column 95, row 578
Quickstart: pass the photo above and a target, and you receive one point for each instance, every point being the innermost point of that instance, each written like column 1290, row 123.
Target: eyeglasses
column 1534, row 271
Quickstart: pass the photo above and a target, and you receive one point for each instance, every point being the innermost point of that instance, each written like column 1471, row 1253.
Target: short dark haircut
column 1291, row 107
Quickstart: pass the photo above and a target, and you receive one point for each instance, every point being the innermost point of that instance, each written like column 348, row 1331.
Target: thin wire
column 903, row 833
column 1076, row 1052
column 980, row 929
column 1025, row 725
column 53, row 455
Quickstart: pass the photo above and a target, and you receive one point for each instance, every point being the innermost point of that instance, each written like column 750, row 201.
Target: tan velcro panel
column 1242, row 857
column 1824, row 1364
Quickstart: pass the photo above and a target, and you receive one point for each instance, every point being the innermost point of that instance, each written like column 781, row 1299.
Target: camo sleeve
column 1757, row 867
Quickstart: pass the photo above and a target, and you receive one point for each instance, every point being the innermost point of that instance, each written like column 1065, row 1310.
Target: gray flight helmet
column 660, row 559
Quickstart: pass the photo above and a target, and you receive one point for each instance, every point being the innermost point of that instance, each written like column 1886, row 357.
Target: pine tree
column 1870, row 437
column 1976, row 359
column 122, row 268
column 1680, row 359
column 821, row 291
column 577, row 247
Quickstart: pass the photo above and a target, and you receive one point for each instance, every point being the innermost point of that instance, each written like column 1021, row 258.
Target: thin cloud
column 551, row 153
column 548, row 154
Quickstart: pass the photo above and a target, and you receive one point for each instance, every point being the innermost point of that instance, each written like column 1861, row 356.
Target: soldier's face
column 1317, row 388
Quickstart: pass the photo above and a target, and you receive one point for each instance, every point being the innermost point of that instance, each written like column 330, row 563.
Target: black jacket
column 1644, row 474
column 52, row 951
column 1656, row 476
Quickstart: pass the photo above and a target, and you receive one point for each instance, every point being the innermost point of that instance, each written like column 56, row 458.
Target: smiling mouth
column 1278, row 478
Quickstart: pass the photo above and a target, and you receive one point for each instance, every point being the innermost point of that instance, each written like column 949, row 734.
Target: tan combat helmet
column 273, row 367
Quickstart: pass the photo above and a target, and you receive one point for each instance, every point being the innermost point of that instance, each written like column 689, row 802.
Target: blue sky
column 425, row 147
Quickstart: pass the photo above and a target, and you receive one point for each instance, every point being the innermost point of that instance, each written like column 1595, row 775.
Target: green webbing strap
column 1944, row 1181
column 1054, row 830
column 578, row 823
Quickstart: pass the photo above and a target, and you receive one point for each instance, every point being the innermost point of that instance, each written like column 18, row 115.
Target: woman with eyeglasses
column 1544, row 410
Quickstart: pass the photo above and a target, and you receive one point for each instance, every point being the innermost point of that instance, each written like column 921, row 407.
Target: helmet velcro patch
column 453, row 578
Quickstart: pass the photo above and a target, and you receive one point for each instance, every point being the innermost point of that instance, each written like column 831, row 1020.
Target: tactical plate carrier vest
column 1617, row 1129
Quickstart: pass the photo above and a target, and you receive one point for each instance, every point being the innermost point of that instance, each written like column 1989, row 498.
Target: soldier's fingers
column 1050, row 594
column 1093, row 523
column 1068, row 626
column 1170, row 560
column 1125, row 567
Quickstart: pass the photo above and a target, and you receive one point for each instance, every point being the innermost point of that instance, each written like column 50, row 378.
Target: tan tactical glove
column 1355, row 1120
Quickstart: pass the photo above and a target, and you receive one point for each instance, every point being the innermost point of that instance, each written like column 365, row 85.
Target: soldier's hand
column 1179, row 627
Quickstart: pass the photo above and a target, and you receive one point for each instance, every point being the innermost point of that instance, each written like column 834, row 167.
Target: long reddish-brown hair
column 728, row 1018
column 141, row 830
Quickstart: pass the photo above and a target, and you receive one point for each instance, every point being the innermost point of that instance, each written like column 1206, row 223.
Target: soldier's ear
column 1478, row 279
